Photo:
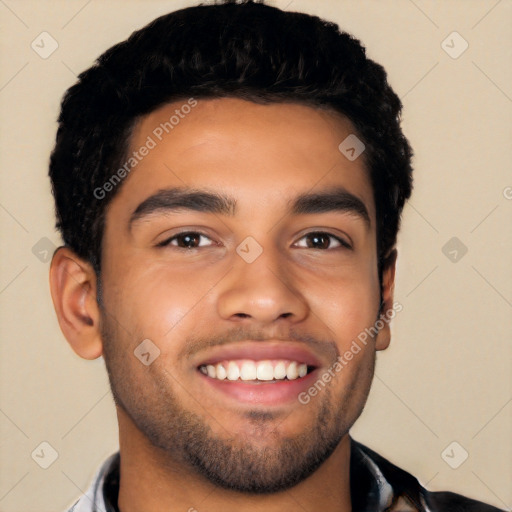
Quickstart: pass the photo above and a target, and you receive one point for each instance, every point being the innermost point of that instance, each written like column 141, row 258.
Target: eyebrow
column 174, row 200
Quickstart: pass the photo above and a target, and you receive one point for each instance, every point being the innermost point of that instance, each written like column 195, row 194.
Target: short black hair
column 245, row 50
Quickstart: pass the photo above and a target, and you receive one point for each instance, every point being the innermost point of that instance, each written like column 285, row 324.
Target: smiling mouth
column 267, row 371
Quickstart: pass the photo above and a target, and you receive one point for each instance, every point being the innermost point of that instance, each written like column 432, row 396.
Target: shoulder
column 406, row 486
column 449, row 501
column 93, row 499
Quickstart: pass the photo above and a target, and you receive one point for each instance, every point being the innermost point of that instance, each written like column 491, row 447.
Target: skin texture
column 184, row 445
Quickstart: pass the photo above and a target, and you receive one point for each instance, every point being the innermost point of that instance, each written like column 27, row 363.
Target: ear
column 73, row 287
column 388, row 287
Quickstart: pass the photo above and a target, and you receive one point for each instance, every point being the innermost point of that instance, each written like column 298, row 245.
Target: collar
column 378, row 485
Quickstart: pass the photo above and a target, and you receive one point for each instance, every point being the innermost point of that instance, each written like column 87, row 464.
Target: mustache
column 321, row 347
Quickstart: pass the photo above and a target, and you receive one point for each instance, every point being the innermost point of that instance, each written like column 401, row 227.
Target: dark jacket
column 378, row 485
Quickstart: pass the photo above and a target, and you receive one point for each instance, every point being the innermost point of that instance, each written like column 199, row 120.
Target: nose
column 261, row 291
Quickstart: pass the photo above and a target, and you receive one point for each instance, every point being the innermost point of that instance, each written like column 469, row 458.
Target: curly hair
column 245, row 50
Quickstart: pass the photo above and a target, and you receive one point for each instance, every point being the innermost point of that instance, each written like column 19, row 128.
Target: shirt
column 376, row 485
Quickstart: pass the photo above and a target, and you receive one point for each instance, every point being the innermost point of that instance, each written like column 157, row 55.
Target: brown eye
column 322, row 240
column 186, row 240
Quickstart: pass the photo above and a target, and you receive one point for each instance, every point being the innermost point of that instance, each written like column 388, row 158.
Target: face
column 247, row 270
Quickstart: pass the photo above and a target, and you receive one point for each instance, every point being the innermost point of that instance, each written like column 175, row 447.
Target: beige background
column 446, row 376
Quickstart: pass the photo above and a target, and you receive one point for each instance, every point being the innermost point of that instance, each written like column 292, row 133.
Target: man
column 229, row 183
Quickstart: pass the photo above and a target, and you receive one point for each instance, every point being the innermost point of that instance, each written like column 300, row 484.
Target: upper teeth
column 255, row 370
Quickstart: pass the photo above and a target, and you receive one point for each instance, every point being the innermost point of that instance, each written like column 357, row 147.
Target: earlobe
column 383, row 338
column 73, row 288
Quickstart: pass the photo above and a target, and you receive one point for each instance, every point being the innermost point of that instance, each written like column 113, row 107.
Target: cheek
column 156, row 301
column 348, row 305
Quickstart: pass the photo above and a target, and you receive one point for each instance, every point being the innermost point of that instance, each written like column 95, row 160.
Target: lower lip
column 266, row 393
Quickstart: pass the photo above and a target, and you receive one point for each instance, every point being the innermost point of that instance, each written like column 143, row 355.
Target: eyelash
column 167, row 242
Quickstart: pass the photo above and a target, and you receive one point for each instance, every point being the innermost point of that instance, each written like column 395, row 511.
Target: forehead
column 262, row 155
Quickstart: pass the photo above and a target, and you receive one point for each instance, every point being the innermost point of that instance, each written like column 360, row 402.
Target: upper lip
column 262, row 350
